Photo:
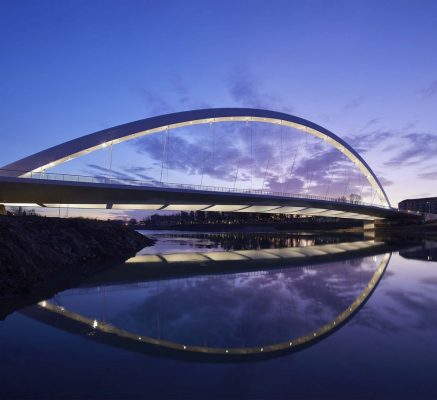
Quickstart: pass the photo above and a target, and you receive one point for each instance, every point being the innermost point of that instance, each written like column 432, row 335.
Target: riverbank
column 39, row 254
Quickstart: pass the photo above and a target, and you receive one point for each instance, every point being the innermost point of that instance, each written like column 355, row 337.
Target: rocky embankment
column 40, row 254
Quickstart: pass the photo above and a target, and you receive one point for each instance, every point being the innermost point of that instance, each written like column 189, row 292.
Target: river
column 233, row 315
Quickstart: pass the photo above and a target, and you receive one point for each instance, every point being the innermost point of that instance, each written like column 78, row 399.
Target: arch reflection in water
column 104, row 332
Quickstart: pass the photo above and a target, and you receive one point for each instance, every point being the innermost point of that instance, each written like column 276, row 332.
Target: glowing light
column 226, row 208
column 137, row 206
column 185, row 207
column 21, row 204
column 95, row 324
column 258, row 208
column 91, row 206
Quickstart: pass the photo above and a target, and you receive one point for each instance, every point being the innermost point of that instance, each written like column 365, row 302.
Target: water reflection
column 426, row 251
column 169, row 242
column 280, row 301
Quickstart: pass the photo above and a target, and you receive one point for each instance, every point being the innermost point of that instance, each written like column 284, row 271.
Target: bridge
column 27, row 181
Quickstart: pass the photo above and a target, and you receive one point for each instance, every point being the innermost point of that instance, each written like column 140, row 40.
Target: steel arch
column 56, row 155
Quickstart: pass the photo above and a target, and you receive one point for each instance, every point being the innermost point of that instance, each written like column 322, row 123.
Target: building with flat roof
column 425, row 204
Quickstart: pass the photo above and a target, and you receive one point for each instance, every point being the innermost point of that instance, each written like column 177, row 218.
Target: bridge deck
column 55, row 193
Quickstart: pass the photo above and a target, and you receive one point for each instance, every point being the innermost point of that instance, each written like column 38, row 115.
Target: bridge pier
column 369, row 225
column 369, row 229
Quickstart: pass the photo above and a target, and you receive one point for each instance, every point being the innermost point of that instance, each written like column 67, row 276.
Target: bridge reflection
column 168, row 266
column 73, row 322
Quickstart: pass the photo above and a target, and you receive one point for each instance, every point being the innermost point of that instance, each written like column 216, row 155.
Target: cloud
column 430, row 90
column 431, row 280
column 218, row 310
column 419, row 305
column 431, row 175
column 140, row 172
column 245, row 90
column 304, row 164
column 155, row 104
column 193, row 155
column 384, row 181
column 420, row 147
column 354, row 103
column 370, row 123
column 174, row 89
column 93, row 169
column 365, row 142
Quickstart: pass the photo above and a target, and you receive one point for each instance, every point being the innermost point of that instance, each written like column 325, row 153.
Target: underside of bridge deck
column 51, row 193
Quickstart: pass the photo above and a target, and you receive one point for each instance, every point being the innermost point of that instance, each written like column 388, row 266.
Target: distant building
column 426, row 205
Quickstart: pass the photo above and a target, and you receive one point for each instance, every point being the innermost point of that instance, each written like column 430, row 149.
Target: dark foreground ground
column 41, row 255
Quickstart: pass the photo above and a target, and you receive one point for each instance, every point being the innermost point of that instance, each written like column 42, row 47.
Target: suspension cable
column 362, row 186
column 168, row 148
column 203, row 163
column 329, row 182
column 347, row 182
column 251, row 155
column 282, row 163
column 213, row 145
column 293, row 163
column 329, row 172
column 374, row 194
column 306, row 161
column 310, row 182
column 236, row 174
column 265, row 174
column 110, row 163
column 164, row 147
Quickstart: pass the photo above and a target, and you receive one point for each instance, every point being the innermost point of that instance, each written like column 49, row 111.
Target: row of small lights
column 95, row 322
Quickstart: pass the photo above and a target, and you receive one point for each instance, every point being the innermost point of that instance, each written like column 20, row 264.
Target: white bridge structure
column 27, row 180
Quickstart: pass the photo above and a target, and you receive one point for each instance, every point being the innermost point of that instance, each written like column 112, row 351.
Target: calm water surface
column 240, row 291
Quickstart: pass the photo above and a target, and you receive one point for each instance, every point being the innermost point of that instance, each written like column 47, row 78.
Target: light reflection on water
column 169, row 242
column 254, row 307
column 392, row 338
column 236, row 310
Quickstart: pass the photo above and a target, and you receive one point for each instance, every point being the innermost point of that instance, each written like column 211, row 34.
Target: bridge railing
column 168, row 185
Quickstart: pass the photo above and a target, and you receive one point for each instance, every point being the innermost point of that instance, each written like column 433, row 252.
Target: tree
column 354, row 198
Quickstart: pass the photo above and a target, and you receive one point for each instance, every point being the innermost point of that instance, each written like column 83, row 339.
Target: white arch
column 61, row 153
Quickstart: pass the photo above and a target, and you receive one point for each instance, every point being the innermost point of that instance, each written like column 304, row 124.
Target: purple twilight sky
column 366, row 70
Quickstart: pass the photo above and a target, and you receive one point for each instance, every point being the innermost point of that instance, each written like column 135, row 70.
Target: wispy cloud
column 97, row 170
column 365, row 142
column 432, row 175
column 354, row 103
column 175, row 89
column 370, row 123
column 420, row 147
column 245, row 90
column 430, row 90
column 155, row 104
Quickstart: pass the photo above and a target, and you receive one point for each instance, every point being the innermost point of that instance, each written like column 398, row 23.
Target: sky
column 365, row 70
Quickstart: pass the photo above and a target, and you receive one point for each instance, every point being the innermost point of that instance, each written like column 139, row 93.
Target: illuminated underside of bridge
column 54, row 193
